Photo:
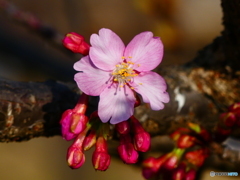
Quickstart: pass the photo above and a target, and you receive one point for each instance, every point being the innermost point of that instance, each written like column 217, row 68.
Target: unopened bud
column 123, row 127
column 101, row 158
column 228, row 119
column 190, row 175
column 75, row 157
column 173, row 160
column 126, row 150
column 197, row 157
column 185, row 141
column 65, row 125
column 75, row 42
column 89, row 141
column 178, row 132
column 78, row 123
column 141, row 140
column 179, row 172
column 151, row 166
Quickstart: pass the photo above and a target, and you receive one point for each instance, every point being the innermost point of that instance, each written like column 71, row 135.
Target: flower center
column 124, row 73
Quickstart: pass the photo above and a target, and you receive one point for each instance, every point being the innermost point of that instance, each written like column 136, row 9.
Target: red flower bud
column 228, row 119
column 151, row 166
column 176, row 134
column 190, row 175
column 197, row 157
column 126, row 150
column 179, row 172
column 75, row 42
column 74, row 121
column 78, row 123
column 141, row 140
column 90, row 140
column 123, row 127
column 75, row 157
column 185, row 141
column 234, row 108
column 66, row 123
column 101, row 158
column 173, row 160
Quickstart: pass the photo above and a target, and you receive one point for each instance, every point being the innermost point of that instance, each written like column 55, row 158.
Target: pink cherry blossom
column 115, row 72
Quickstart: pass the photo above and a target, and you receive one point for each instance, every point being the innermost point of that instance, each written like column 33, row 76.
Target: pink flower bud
column 151, row 166
column 190, row 175
column 126, row 150
column 186, row 141
column 78, row 123
column 101, row 158
column 123, row 127
column 74, row 121
column 179, row 172
column 177, row 133
column 75, row 157
column 75, row 42
column 148, row 173
column 234, row 108
column 197, row 157
column 66, row 123
column 228, row 119
column 89, row 141
column 173, row 160
column 141, row 139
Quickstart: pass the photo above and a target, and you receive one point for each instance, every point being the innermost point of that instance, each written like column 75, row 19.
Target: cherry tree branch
column 199, row 91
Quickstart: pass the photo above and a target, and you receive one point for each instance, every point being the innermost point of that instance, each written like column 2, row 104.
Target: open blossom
column 113, row 72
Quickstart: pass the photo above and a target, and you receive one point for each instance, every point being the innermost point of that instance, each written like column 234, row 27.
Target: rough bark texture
column 30, row 109
column 204, row 86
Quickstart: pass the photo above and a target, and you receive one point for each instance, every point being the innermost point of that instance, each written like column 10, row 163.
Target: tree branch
column 199, row 91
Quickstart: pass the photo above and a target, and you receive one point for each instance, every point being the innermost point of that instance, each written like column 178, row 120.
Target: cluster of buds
column 86, row 133
column 228, row 121
column 133, row 138
column 184, row 160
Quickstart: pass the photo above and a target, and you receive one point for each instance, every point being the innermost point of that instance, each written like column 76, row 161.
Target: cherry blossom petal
column 152, row 88
column 116, row 105
column 107, row 49
column 145, row 51
column 91, row 80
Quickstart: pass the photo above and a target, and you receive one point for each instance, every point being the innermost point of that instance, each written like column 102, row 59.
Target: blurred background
column 30, row 54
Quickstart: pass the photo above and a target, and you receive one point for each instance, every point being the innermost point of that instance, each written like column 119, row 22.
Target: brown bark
column 208, row 84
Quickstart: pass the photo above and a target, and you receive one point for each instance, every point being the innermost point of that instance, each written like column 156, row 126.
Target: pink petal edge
column 107, row 49
column 92, row 81
column 152, row 89
column 145, row 50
